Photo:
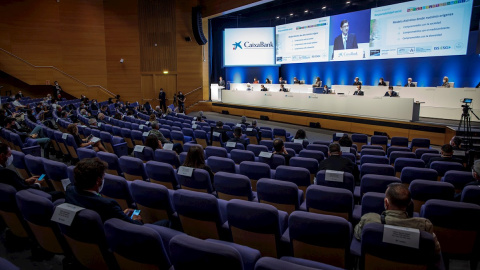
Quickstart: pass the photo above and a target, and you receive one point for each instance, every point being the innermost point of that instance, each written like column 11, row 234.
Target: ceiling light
column 348, row 2
column 324, row 7
column 291, row 14
column 165, row 72
column 306, row 10
column 278, row 17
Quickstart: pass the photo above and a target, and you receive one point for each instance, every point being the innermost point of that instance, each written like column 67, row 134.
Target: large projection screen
column 249, row 46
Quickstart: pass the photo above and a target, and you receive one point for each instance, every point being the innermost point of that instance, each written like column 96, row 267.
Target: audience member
column 92, row 123
column 219, row 128
column 397, row 199
column 456, row 142
column 302, row 135
column 446, row 153
column 72, row 129
column 153, row 142
column 10, row 177
column 279, row 149
column 237, row 137
column 243, row 121
column 155, row 131
column 345, row 141
column 196, row 159
column 89, row 174
column 336, row 162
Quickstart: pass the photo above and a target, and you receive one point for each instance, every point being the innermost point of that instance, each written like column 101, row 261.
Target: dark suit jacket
column 452, row 159
column 11, row 178
column 357, row 83
column 221, row 131
column 162, row 96
column 337, row 163
column 382, row 84
column 221, row 83
column 106, row 208
column 238, row 140
column 411, row 85
column 394, row 94
column 351, row 42
column 358, row 93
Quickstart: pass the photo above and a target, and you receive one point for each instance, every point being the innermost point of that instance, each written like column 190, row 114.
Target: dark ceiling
column 286, row 11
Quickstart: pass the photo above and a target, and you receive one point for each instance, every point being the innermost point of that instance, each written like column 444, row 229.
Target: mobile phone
column 41, row 177
column 135, row 213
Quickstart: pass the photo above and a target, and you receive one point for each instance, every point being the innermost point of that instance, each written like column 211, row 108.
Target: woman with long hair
column 196, row 159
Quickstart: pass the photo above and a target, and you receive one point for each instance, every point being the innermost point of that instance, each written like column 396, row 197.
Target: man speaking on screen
column 345, row 40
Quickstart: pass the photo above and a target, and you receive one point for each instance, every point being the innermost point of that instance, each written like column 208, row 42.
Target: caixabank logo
column 251, row 45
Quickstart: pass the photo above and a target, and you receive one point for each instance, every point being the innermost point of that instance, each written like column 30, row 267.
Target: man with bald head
column 397, row 199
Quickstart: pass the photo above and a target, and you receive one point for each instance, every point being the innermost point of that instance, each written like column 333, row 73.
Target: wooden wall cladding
column 189, row 54
column 157, row 35
column 88, row 38
column 122, row 41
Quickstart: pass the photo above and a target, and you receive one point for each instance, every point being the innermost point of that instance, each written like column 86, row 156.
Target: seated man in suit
column 336, row 162
column 281, row 80
column 345, row 40
column 326, row 90
column 263, row 88
column 10, row 177
column 89, row 173
column 219, row 128
column 409, row 83
column 397, row 200
column 446, row 155
column 359, row 91
column 295, row 80
column 237, row 137
column 282, row 88
column 357, row 81
column 390, row 92
column 279, row 149
column 445, row 83
column 381, row 82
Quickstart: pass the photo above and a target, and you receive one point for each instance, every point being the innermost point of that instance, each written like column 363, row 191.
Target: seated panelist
column 255, row 80
column 359, row 91
column 409, row 83
column 267, row 81
column 295, row 80
column 263, row 88
column 357, row 81
column 282, row 88
column 445, row 83
column 281, row 81
column 390, row 92
column 381, row 82
column 326, row 90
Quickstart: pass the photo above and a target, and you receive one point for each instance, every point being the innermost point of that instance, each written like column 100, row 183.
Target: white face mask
column 380, row 81
column 444, row 81
column 9, row 160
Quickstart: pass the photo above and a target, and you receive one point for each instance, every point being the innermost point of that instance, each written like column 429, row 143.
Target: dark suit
column 221, row 83
column 163, row 101
column 357, row 83
column 11, row 178
column 238, row 140
column 106, row 208
column 337, row 163
column 358, row 93
column 382, row 83
column 283, row 89
column 394, row 94
column 451, row 159
column 410, row 85
column 221, row 131
column 350, row 44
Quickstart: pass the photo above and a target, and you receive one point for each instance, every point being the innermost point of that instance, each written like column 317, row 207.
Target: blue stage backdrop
column 427, row 71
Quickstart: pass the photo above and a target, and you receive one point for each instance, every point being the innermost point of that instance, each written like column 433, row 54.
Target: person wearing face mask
column 397, row 200
column 409, row 83
column 446, row 84
column 381, row 82
column 89, row 174
column 359, row 91
column 94, row 105
column 10, row 177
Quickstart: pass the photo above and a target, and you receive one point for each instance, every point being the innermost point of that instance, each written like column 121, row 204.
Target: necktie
column 345, row 42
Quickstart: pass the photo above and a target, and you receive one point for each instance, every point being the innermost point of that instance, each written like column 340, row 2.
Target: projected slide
column 349, row 36
column 249, row 46
column 420, row 28
column 303, row 42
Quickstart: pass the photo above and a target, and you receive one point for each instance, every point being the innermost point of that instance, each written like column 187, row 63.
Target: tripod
column 467, row 125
